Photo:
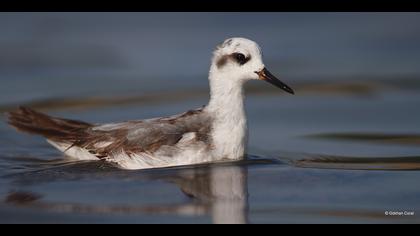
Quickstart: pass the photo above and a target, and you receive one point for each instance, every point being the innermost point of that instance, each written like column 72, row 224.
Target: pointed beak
column 264, row 74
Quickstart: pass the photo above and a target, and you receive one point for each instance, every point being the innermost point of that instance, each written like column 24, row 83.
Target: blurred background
column 49, row 55
column 357, row 83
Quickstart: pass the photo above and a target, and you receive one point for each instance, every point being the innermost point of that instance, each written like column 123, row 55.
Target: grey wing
column 135, row 137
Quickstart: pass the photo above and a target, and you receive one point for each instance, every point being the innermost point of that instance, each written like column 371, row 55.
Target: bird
column 216, row 132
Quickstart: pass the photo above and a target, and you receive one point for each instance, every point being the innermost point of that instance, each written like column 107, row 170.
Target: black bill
column 264, row 74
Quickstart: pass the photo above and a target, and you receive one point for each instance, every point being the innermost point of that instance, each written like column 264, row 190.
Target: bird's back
column 112, row 141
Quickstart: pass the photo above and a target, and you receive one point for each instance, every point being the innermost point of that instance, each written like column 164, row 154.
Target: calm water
column 344, row 149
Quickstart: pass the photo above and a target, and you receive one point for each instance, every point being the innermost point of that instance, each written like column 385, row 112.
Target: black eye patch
column 240, row 58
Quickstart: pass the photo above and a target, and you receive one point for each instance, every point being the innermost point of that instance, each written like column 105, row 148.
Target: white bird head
column 240, row 60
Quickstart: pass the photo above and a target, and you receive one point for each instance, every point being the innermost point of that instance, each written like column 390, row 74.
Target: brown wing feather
column 58, row 129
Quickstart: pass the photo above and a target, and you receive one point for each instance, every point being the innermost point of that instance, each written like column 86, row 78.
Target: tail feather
column 33, row 122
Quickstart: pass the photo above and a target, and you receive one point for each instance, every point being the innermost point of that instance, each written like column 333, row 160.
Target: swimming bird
column 215, row 132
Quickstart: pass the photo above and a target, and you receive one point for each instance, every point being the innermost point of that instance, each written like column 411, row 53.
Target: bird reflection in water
column 222, row 190
column 218, row 191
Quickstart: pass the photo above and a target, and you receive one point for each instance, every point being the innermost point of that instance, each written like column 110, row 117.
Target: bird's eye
column 240, row 58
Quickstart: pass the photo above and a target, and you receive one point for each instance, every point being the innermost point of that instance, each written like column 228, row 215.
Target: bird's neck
column 229, row 130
